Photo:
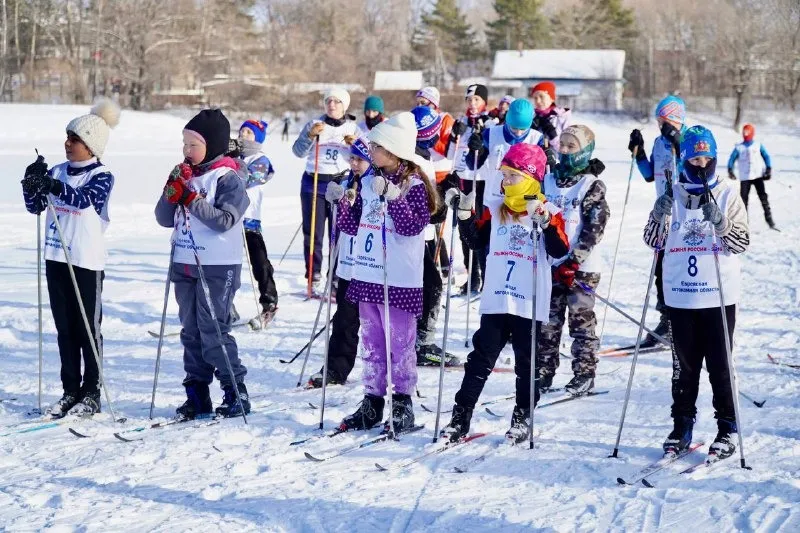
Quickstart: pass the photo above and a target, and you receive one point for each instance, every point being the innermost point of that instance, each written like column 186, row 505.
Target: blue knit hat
column 520, row 114
column 698, row 141
column 429, row 124
column 672, row 108
column 258, row 127
column 360, row 149
column 373, row 103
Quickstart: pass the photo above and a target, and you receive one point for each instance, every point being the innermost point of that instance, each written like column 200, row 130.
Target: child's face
column 516, row 132
column 568, row 144
column 334, row 108
column 675, row 124
column 424, row 102
column 700, row 161
column 75, row 149
column 382, row 157
column 542, row 100
column 503, row 107
column 511, row 177
column 194, row 150
column 371, row 113
column 474, row 103
column 246, row 134
column 358, row 165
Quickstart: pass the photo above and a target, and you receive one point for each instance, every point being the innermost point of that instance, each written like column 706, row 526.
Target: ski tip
column 313, row 406
column 77, row 434
column 299, row 442
column 312, row 458
column 622, row 481
column 123, row 439
column 459, row 470
column 647, row 484
column 493, row 413
column 380, row 467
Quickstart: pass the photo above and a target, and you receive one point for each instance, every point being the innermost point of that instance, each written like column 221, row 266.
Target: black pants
column 490, row 339
column 262, row 269
column 431, row 297
column 73, row 343
column 761, row 191
column 659, row 281
column 697, row 335
column 322, row 220
column 478, row 256
column 285, row 132
column 344, row 334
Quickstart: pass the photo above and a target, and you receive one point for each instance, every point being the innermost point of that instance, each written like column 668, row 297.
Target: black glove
column 37, row 168
column 451, row 181
column 672, row 134
column 552, row 158
column 636, row 142
column 234, row 148
column 475, row 142
column 457, row 130
column 40, row 184
column 767, row 174
column 731, row 175
column 543, row 124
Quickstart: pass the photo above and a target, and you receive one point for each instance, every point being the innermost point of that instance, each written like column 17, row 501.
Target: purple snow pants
column 403, row 326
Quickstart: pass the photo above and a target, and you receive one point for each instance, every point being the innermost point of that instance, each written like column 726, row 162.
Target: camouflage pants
column 582, row 324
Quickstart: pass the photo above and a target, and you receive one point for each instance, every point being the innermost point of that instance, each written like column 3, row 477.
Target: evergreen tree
column 596, row 24
column 519, row 23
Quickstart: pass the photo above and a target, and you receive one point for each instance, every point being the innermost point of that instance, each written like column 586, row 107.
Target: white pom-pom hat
column 93, row 128
column 398, row 135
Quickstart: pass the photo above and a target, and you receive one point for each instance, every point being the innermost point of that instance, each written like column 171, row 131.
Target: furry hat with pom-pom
column 93, row 128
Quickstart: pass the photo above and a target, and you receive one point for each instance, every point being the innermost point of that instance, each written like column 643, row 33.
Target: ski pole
column 291, row 242
column 161, row 330
column 533, row 383
column 446, row 321
column 39, row 292
column 641, row 324
column 386, row 325
column 252, row 278
column 81, row 307
column 303, row 349
column 441, row 227
column 728, row 349
column 616, row 246
column 313, row 218
column 616, row 308
column 331, row 259
column 213, row 313
column 756, row 403
column 471, row 252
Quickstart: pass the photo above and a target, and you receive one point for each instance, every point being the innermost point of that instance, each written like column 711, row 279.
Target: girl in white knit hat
column 80, row 189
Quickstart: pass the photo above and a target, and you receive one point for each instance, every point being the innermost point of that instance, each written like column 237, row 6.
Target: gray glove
column 712, row 213
column 663, row 205
column 334, row 192
column 465, row 202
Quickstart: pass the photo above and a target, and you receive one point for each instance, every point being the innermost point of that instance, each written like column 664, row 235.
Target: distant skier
column 499, row 112
column 373, row 114
column 285, row 132
column 81, row 191
column 755, row 168
column 550, row 119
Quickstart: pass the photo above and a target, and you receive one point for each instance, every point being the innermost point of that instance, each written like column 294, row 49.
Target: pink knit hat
column 526, row 158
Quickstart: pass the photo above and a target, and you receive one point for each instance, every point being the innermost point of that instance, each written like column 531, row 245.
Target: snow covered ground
column 247, row 478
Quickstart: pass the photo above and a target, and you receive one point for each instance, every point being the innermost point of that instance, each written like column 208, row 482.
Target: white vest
column 213, row 247
column 689, row 273
column 460, row 155
column 497, row 151
column 334, row 154
column 403, row 253
column 256, row 194
column 508, row 286
column 663, row 159
column 83, row 228
column 751, row 164
column 568, row 200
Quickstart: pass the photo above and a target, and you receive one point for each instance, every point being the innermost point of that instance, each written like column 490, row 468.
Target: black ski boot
column 520, row 423
column 197, row 404
column 681, row 436
column 315, row 381
column 59, row 409
column 459, row 424
column 662, row 329
column 368, row 414
column 89, row 405
column 431, row 355
column 230, row 405
column 579, row 385
column 545, row 382
column 723, row 446
column 402, row 414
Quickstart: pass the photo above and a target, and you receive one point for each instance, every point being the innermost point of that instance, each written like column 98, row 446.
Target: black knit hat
column 212, row 126
column 478, row 90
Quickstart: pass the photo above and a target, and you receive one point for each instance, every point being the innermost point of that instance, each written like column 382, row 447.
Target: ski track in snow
column 231, row 476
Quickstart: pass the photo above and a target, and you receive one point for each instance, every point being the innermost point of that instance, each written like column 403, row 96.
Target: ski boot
column 431, row 355
column 662, row 329
column 579, row 385
column 89, row 405
column 402, row 414
column 681, row 436
column 520, row 423
column 459, row 424
column 723, row 446
column 197, row 404
column 59, row 409
column 315, row 381
column 475, row 290
column 230, row 405
column 368, row 414
column 268, row 314
column 545, row 382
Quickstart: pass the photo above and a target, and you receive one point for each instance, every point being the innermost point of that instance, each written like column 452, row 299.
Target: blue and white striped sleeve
column 94, row 193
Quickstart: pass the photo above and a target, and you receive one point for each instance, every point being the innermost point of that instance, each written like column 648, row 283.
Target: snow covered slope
column 247, row 478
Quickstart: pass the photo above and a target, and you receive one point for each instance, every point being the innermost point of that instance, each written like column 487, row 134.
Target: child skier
column 506, row 306
column 373, row 114
column 331, row 132
column 670, row 115
column 574, row 187
column 689, row 225
column 80, row 189
column 550, row 119
column 204, row 201
column 750, row 155
column 252, row 134
column 429, row 97
column 343, row 345
column 391, row 210
column 499, row 112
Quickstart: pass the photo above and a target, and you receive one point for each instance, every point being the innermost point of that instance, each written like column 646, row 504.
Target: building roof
column 559, row 64
column 398, row 80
